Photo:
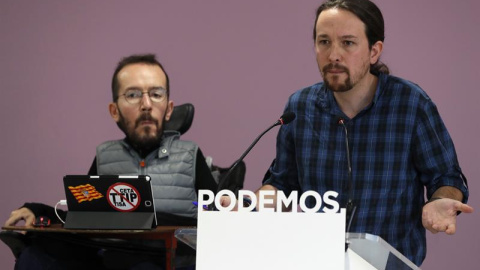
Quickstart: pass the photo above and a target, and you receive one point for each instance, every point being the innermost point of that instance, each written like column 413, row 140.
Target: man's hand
column 225, row 201
column 21, row 214
column 441, row 215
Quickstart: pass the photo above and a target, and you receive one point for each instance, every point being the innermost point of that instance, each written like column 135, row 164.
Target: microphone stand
column 223, row 180
column 283, row 120
column 351, row 207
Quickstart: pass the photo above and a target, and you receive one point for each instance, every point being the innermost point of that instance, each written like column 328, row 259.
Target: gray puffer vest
column 171, row 167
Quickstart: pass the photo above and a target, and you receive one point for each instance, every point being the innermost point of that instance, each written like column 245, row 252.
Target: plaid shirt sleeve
column 434, row 152
column 284, row 171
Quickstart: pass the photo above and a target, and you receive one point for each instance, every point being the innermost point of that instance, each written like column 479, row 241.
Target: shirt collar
column 382, row 81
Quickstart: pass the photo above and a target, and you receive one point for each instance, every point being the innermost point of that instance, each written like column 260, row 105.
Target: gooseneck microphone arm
column 283, row 120
column 351, row 207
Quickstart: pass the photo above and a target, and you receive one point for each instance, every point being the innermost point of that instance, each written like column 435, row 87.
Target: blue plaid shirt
column 398, row 145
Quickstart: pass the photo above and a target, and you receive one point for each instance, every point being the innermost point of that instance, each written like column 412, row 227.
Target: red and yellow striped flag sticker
column 85, row 193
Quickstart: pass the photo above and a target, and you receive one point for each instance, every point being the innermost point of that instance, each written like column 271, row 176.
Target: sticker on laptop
column 123, row 197
column 85, row 193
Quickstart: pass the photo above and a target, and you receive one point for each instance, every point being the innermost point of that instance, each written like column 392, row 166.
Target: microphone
column 286, row 118
column 351, row 207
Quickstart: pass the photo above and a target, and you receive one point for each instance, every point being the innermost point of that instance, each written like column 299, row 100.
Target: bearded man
column 140, row 107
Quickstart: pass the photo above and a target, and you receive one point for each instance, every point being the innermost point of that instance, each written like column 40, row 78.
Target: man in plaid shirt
column 376, row 139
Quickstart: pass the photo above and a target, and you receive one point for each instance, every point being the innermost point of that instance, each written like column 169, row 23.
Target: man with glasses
column 140, row 107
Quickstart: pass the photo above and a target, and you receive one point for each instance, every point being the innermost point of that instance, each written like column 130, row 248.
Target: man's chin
column 145, row 143
column 337, row 86
column 146, row 133
column 148, row 137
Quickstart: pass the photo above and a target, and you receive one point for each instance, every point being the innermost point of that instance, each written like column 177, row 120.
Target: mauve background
column 236, row 61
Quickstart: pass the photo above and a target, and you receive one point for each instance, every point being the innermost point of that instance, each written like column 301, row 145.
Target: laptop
column 109, row 202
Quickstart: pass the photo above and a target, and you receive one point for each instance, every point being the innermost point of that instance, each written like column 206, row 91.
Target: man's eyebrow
column 157, row 87
column 342, row 37
column 322, row 36
column 349, row 37
column 150, row 88
column 133, row 88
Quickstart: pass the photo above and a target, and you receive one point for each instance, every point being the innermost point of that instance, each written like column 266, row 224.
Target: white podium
column 365, row 251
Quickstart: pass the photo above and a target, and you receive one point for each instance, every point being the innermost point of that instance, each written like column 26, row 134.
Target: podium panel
column 366, row 251
column 270, row 240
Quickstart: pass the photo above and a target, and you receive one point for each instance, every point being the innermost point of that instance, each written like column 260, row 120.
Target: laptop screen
column 109, row 201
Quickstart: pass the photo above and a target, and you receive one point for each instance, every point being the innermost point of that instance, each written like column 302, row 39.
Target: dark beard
column 346, row 86
column 144, row 145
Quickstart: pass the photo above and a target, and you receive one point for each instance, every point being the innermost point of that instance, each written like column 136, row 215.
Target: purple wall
column 237, row 62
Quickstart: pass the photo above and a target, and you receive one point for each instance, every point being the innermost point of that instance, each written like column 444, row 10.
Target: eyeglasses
column 133, row 96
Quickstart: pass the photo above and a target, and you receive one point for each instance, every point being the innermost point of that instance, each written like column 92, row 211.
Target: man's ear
column 375, row 52
column 113, row 108
column 169, row 110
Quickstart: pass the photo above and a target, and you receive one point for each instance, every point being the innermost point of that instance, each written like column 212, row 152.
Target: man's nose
column 335, row 53
column 146, row 102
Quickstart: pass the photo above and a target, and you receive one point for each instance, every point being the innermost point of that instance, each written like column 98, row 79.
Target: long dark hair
column 369, row 14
